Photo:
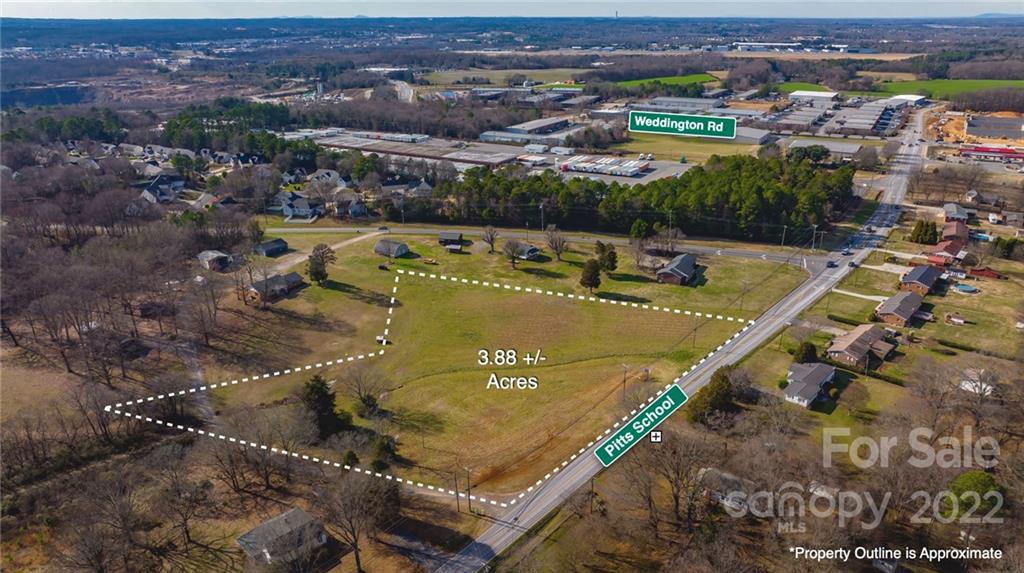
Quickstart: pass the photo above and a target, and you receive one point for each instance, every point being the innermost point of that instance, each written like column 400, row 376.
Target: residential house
column 900, row 308
column 275, row 287
column 421, row 190
column 859, row 346
column 147, row 168
column 449, row 238
column 527, row 252
column 163, row 189
column 278, row 201
column 954, row 212
column 807, row 381
column 1014, row 218
column 920, row 279
column 271, row 248
column 358, row 209
column 949, row 250
column 725, row 488
column 325, row 176
column 955, row 230
column 205, row 201
column 223, row 158
column 303, row 208
column 679, row 271
column 294, row 536
column 130, row 149
column 296, row 175
column 391, row 249
column 215, row 260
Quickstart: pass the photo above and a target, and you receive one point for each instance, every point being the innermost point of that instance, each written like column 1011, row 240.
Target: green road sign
column 633, row 431
column 682, row 124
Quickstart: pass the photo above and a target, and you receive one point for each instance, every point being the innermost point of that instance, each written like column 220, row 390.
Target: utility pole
column 527, row 230
column 784, row 227
column 814, row 235
column 469, row 491
column 625, row 368
column 542, row 227
column 455, row 476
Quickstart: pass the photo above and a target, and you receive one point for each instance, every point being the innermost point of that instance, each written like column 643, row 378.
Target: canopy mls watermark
column 682, row 124
column 646, row 420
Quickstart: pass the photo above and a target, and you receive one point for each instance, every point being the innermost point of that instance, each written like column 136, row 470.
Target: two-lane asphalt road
column 551, row 493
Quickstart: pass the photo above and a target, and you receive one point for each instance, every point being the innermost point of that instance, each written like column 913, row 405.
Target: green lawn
column 671, row 147
column 672, row 80
column 437, row 393
column 943, row 89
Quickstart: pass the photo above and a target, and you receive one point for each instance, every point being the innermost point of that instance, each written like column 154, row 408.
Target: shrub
column 844, row 320
column 783, row 384
column 833, row 393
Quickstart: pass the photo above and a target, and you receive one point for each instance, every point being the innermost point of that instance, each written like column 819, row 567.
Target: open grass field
column 942, row 89
column 887, row 76
column 670, row 147
column 673, row 80
column 497, row 77
column 438, row 398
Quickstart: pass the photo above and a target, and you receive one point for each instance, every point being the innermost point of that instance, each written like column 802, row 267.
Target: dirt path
column 288, row 261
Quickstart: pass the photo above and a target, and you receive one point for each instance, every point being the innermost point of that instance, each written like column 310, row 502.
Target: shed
column 271, row 248
column 287, row 538
column 391, row 249
column 449, row 238
column 214, row 260
column 275, row 287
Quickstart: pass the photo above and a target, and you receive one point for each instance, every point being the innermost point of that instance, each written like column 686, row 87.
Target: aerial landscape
column 451, row 287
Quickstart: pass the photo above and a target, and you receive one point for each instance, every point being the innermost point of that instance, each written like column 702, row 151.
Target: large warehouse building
column 825, row 100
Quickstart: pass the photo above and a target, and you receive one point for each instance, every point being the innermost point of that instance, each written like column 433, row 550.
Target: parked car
column 852, row 264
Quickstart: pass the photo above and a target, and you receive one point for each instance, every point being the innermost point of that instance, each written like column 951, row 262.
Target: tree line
column 736, row 196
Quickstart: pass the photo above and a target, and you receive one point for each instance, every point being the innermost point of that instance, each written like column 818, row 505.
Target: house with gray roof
column 294, row 536
column 805, row 382
column 679, row 271
column 954, row 212
column 900, row 308
column 920, row 279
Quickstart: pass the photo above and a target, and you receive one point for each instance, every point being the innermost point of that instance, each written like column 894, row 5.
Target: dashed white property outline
column 117, row 408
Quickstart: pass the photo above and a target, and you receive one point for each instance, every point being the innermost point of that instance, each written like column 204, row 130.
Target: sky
column 120, row 9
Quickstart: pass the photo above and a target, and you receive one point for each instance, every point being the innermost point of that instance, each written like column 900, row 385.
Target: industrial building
column 537, row 126
column 752, row 135
column 581, row 100
column 838, row 150
column 795, row 120
column 767, row 46
column 689, row 102
column 604, row 165
column 824, row 100
column 878, row 117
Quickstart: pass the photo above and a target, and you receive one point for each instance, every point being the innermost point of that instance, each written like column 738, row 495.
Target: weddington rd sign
column 682, row 124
